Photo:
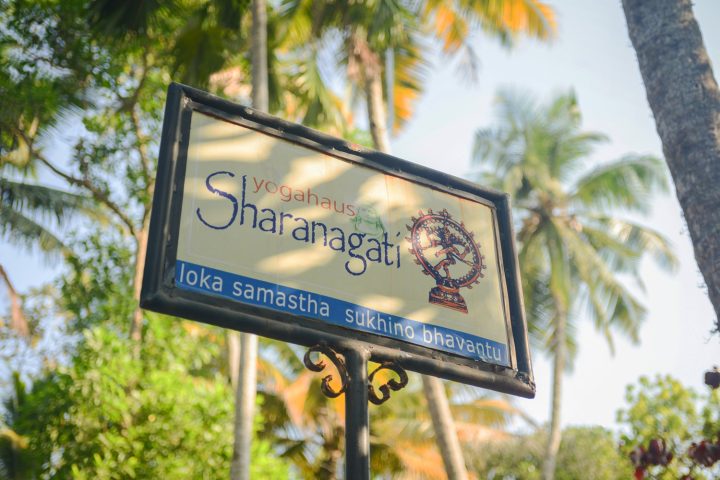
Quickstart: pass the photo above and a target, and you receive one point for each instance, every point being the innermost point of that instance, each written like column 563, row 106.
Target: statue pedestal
column 448, row 297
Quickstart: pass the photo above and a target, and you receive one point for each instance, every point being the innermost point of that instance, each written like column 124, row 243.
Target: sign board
column 269, row 227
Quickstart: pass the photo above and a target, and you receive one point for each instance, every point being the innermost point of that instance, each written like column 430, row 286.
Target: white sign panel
column 274, row 224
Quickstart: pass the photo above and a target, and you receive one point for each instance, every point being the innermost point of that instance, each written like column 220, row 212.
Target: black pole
column 357, row 418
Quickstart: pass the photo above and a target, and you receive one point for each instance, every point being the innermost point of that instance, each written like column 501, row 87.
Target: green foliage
column 589, row 453
column 110, row 416
column 39, row 92
column 27, row 210
column 43, row 65
column 15, row 463
column 663, row 408
column 51, row 51
column 97, row 289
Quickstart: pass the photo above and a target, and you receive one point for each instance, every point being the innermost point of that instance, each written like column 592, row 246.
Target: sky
column 592, row 54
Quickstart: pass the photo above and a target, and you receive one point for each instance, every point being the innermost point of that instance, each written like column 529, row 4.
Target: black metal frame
column 160, row 294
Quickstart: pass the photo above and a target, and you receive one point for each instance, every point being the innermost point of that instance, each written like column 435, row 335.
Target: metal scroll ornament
column 391, row 384
column 448, row 253
column 319, row 366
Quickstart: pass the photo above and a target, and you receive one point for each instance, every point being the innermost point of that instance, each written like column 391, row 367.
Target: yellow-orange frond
column 450, row 27
column 403, row 105
column 338, row 406
column 510, row 18
column 410, row 71
column 421, row 460
column 271, row 377
column 295, row 395
column 474, row 432
column 196, row 330
column 547, row 12
column 531, row 17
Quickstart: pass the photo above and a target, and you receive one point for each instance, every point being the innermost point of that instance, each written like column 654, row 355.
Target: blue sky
column 592, row 55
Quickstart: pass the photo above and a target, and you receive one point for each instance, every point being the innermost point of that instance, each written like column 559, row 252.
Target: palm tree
column 685, row 100
column 571, row 248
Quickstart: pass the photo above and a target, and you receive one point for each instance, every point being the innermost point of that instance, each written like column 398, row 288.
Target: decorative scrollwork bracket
column 385, row 388
column 339, row 362
column 319, row 366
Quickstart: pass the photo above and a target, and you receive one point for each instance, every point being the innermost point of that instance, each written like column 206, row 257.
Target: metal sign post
column 358, row 389
column 357, row 417
column 268, row 227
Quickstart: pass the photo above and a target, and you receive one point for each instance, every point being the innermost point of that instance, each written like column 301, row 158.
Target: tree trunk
column 333, row 441
column 233, row 353
column 141, row 240
column 444, row 426
column 18, row 322
column 258, row 56
column 555, row 433
column 247, row 372
column 685, row 102
column 376, row 108
column 245, row 407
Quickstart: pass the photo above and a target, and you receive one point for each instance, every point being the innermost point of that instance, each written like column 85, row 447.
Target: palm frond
column 489, row 412
column 560, row 276
column 130, row 16
column 619, row 255
column 315, row 102
column 640, row 238
column 450, row 25
column 620, row 308
column 569, row 152
column 297, row 19
column 43, row 202
column 22, row 231
column 625, row 183
column 410, row 72
column 452, row 22
column 420, row 461
column 199, row 49
column 509, row 19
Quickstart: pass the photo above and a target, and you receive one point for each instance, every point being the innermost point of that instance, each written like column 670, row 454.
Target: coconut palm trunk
column 232, row 340
column 685, row 101
column 247, row 372
column 377, row 116
column 444, row 427
column 554, row 436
